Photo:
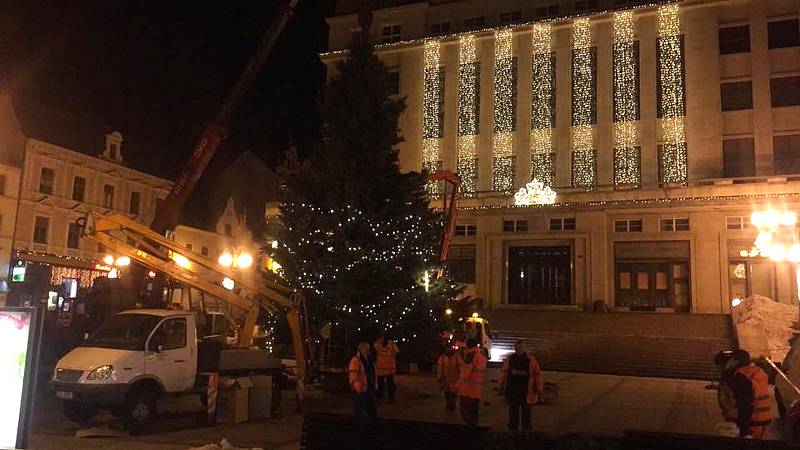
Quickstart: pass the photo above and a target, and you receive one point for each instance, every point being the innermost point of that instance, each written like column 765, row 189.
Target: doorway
column 540, row 275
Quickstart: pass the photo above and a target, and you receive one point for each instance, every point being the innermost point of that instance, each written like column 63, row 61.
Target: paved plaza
column 603, row 404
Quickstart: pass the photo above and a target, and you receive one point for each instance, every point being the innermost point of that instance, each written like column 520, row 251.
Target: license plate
column 63, row 395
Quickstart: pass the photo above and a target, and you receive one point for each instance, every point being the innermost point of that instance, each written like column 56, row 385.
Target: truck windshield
column 124, row 332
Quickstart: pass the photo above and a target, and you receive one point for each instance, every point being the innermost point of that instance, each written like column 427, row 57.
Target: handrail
column 783, row 375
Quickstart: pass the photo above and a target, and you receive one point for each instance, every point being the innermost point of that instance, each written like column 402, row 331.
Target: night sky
column 158, row 70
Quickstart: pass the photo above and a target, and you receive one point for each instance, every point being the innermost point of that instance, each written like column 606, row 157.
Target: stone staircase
column 636, row 344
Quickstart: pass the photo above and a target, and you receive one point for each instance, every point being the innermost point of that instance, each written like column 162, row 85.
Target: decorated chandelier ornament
column 535, row 193
column 468, row 114
column 505, row 93
column 542, row 103
column 583, row 106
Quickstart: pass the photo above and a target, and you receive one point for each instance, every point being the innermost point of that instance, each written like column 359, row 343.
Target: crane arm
column 450, row 208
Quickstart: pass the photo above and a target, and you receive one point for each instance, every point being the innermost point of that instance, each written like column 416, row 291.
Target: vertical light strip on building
column 505, row 118
column 543, row 90
column 672, row 154
column 432, row 113
column 584, row 102
column 626, row 101
column 469, row 76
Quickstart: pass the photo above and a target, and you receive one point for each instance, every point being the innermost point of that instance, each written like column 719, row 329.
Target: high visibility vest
column 531, row 374
column 447, row 371
column 357, row 375
column 471, row 371
column 386, row 365
column 759, row 380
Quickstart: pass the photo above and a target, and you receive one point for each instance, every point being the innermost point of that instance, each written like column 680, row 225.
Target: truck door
column 170, row 356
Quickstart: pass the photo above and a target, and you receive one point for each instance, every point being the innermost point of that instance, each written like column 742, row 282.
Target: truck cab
column 131, row 360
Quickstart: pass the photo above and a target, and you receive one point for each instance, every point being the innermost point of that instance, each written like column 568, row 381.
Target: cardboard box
column 261, row 397
column 234, row 400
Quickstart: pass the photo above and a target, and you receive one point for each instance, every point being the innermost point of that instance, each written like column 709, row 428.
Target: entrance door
column 539, row 275
column 169, row 356
column 648, row 285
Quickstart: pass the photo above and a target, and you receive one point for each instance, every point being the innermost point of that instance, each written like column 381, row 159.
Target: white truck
column 141, row 355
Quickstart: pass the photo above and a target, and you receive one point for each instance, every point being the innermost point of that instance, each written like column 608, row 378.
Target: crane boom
column 168, row 210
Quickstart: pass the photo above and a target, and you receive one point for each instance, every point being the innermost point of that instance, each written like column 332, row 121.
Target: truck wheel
column 79, row 411
column 139, row 409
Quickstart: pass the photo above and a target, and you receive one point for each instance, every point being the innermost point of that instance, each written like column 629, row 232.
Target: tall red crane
column 451, row 179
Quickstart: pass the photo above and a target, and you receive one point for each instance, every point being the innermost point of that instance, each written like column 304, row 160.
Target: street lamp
column 237, row 259
column 777, row 239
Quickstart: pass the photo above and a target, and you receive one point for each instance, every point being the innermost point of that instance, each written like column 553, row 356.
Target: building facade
column 661, row 126
column 58, row 186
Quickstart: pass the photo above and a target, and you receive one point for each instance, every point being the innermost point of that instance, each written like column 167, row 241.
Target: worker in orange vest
column 361, row 373
column 386, row 351
column 521, row 382
column 447, row 375
column 744, row 396
column 471, row 370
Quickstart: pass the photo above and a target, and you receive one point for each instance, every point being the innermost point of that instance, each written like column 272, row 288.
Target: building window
column 73, row 235
column 47, row 180
column 434, row 128
column 786, row 154
column 466, row 230
column 737, row 222
column 676, row 91
column 738, row 158
column 440, row 28
column 584, row 86
column 546, row 11
column 585, row 5
column 507, row 18
column 515, row 226
column 785, row 91
column 394, row 82
column 734, row 39
column 78, row 188
column 228, row 230
column 108, row 196
column 189, row 247
column 136, row 199
column 736, row 95
column 391, row 33
column 654, row 274
column 461, row 263
column 40, row 229
column 562, row 223
column 505, row 97
column 474, row 23
column 783, row 33
column 204, row 251
column 674, row 224
column 628, row 226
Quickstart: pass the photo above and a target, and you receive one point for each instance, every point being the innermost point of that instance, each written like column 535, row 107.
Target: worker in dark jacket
column 521, row 382
column 744, row 395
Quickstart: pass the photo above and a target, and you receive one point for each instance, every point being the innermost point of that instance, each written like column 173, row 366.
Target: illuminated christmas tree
column 358, row 234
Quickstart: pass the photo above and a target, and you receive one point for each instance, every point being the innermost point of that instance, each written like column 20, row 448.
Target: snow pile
column 224, row 445
column 761, row 316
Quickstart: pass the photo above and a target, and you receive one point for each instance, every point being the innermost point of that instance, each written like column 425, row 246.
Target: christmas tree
column 359, row 235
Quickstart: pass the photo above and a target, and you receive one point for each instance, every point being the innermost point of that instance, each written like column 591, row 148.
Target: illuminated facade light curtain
column 432, row 113
column 469, row 87
column 584, row 105
column 543, row 105
column 672, row 157
column 505, row 113
column 627, row 147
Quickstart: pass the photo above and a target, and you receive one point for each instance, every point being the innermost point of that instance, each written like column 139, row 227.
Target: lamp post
column 777, row 239
column 116, row 264
column 238, row 259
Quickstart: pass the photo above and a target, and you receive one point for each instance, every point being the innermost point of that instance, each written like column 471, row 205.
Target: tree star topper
column 535, row 193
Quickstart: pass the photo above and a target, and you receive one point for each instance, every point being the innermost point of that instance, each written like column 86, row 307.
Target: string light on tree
column 542, row 103
column 584, row 99
column 468, row 114
column 626, row 100
column 673, row 158
column 432, row 112
column 505, row 93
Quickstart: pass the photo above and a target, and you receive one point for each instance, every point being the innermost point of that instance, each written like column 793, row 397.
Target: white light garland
column 542, row 104
column 505, row 118
column 584, row 97
column 673, row 158
column 535, row 193
column 432, row 113
column 468, row 114
column 626, row 101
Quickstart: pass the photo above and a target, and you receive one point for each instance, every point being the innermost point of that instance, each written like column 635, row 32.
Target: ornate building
column 660, row 126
